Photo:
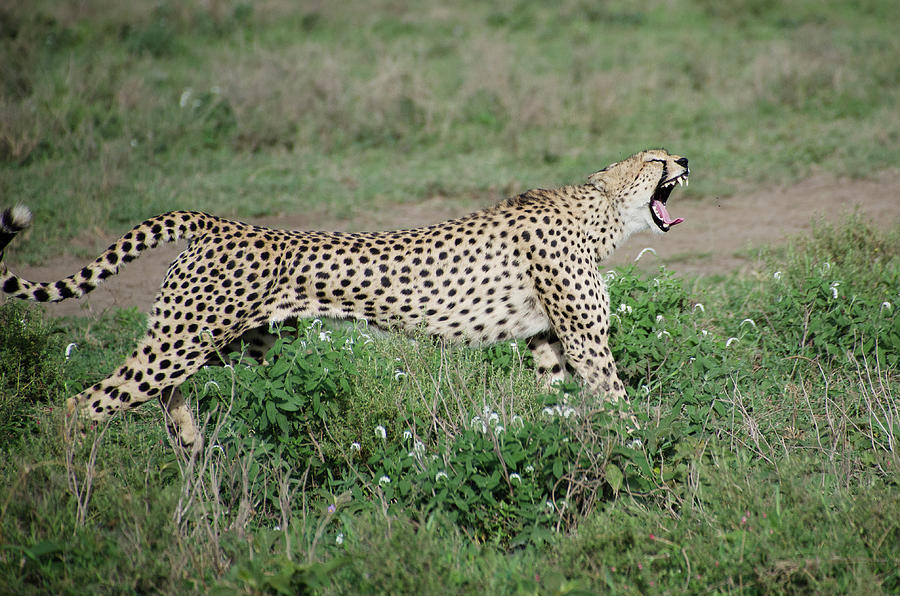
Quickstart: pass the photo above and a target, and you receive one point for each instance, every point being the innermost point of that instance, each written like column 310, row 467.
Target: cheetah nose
column 682, row 161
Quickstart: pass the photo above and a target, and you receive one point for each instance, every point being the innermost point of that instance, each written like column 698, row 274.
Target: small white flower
column 777, row 275
column 659, row 318
column 399, row 374
column 515, row 476
column 549, row 505
column 185, row 97
column 886, row 305
column 277, row 528
column 563, row 411
column 645, row 389
column 624, row 308
column 834, row 287
column 517, row 421
column 751, row 321
column 704, row 332
column 324, row 335
column 529, row 468
column 439, row 475
column 419, row 448
column 407, row 435
column 354, row 446
column 640, row 254
column 700, row 306
column 514, row 345
column 134, row 142
column 339, row 539
column 384, row 480
column 661, row 333
column 635, row 444
column 499, row 429
column 478, row 424
column 74, row 346
column 380, row 432
column 730, row 341
column 494, row 419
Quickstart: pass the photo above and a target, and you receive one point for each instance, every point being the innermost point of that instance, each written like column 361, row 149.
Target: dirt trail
column 716, row 237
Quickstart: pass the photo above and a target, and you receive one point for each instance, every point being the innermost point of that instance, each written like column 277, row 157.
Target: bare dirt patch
column 718, row 235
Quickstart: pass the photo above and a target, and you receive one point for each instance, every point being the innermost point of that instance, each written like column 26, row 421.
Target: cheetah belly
column 467, row 294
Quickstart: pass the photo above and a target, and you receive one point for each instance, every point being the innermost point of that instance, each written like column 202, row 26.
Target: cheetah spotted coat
column 527, row 268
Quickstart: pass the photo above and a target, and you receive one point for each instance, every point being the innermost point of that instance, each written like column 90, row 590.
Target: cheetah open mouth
column 658, row 210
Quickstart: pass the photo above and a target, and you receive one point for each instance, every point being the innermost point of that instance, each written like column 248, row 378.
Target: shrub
column 30, row 365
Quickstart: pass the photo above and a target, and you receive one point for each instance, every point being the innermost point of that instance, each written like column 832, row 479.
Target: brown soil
column 717, row 236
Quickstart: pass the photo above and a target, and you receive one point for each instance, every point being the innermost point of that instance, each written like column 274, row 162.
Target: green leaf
column 280, row 367
column 288, row 406
column 614, row 477
column 558, row 468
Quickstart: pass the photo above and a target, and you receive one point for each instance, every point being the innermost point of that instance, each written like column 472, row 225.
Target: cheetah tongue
column 659, row 208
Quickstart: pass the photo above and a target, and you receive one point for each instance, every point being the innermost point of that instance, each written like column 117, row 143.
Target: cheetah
column 526, row 268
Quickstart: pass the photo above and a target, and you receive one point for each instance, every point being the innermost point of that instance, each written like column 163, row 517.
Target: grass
column 760, row 453
column 111, row 114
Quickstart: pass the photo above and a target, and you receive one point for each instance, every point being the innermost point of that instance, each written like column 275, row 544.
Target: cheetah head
column 640, row 186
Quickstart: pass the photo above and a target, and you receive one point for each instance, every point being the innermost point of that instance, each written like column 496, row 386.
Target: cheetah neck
column 605, row 224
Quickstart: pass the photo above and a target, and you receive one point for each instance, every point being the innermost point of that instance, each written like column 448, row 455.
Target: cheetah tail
column 12, row 221
column 163, row 228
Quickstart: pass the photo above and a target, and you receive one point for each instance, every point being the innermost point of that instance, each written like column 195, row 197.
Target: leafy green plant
column 646, row 318
column 31, row 358
column 289, row 403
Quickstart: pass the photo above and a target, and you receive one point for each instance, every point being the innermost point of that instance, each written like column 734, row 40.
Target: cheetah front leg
column 582, row 324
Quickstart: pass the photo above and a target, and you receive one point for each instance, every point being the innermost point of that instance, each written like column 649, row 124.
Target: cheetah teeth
column 682, row 180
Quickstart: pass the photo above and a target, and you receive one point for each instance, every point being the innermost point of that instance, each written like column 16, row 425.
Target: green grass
column 761, row 453
column 109, row 114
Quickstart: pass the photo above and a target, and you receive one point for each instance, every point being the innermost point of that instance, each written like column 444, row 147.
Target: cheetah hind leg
column 179, row 418
column 145, row 375
column 549, row 360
